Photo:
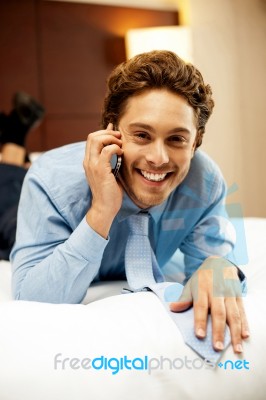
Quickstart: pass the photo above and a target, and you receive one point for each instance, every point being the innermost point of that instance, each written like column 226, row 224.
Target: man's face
column 158, row 134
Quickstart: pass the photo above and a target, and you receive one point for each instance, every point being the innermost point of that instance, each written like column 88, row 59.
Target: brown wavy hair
column 158, row 69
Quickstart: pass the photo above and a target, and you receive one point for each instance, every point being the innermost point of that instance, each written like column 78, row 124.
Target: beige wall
column 229, row 49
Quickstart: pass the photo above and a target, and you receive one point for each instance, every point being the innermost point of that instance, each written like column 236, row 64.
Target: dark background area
column 62, row 53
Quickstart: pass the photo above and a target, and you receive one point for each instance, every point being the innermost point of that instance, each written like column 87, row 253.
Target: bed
column 47, row 351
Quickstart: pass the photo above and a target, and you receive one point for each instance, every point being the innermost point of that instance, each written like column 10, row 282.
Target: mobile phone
column 116, row 162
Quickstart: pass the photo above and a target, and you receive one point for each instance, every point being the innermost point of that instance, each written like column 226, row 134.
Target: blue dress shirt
column 57, row 254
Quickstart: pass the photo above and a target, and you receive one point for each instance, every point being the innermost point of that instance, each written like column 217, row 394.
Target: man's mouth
column 153, row 177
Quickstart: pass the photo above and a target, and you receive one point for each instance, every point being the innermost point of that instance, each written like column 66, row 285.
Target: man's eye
column 142, row 135
column 178, row 139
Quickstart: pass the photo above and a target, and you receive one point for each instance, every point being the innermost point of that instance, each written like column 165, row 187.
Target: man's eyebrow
column 141, row 125
column 180, row 129
column 151, row 129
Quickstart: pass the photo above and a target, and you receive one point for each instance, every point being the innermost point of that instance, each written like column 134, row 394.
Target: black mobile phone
column 116, row 162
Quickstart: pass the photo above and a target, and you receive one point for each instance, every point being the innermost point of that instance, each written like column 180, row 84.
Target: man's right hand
column 107, row 193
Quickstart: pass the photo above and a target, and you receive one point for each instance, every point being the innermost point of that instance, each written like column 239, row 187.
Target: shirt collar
column 130, row 208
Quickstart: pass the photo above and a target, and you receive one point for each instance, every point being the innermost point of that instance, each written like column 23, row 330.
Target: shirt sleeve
column 213, row 235
column 51, row 261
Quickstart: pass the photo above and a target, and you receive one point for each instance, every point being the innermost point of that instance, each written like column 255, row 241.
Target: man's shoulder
column 57, row 182
column 60, row 168
column 202, row 164
column 204, row 179
column 204, row 167
column 64, row 157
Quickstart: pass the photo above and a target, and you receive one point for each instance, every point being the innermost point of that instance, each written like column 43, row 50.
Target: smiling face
column 158, row 133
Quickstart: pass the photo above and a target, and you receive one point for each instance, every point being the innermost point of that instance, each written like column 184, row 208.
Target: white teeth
column 153, row 177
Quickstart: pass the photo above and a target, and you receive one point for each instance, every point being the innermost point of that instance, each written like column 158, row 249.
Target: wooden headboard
column 62, row 53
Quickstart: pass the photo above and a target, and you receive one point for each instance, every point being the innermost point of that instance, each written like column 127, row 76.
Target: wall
column 229, row 45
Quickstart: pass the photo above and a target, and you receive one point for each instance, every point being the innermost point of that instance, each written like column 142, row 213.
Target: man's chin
column 141, row 198
column 146, row 201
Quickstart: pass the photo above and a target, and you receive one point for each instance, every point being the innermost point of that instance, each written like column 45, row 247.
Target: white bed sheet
column 134, row 325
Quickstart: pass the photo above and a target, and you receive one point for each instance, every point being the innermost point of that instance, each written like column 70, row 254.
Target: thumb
column 184, row 302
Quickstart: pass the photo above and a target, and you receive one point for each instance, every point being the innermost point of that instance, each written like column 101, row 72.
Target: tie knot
column 139, row 224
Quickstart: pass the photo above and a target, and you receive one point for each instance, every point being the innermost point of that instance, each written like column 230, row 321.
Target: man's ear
column 197, row 138
column 194, row 147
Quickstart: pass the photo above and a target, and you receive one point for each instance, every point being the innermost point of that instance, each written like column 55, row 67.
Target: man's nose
column 157, row 154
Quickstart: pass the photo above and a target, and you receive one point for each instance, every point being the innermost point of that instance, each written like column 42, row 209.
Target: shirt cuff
column 88, row 243
column 243, row 279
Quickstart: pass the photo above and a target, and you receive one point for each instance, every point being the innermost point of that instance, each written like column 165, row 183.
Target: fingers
column 103, row 143
column 201, row 307
column 223, row 310
column 234, row 322
column 109, row 150
column 230, row 310
column 225, row 305
column 244, row 322
column 218, row 313
column 237, row 322
column 107, row 194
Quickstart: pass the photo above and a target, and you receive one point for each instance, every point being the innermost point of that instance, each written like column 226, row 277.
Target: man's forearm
column 65, row 274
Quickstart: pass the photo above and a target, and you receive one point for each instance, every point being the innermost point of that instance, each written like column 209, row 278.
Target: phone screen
column 116, row 164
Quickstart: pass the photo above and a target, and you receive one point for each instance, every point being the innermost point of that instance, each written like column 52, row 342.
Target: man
column 73, row 229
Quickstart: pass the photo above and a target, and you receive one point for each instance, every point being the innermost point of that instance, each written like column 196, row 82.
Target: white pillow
column 5, row 281
column 132, row 325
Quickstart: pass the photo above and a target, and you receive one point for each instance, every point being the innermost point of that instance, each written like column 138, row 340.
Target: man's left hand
column 215, row 287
